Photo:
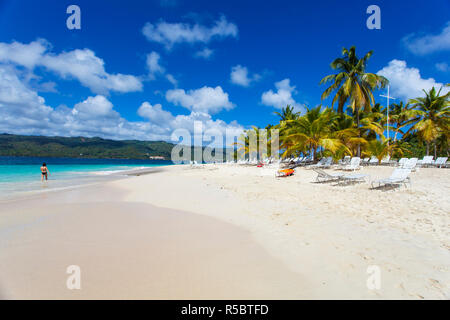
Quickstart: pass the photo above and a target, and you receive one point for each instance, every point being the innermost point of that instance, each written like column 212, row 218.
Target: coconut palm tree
column 312, row 131
column 352, row 83
column 431, row 116
column 382, row 148
column 344, row 128
column 399, row 116
column 255, row 141
column 287, row 113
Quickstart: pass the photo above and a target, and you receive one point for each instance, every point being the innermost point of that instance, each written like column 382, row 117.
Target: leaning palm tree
column 432, row 116
column 352, row 83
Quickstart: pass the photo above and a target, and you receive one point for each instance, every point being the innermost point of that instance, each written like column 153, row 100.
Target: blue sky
column 141, row 69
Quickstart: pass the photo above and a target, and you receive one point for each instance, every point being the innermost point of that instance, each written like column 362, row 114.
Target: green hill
column 80, row 147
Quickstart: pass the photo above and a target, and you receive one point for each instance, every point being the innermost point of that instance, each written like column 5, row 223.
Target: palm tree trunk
column 435, row 150
column 428, row 148
column 395, row 136
column 359, row 132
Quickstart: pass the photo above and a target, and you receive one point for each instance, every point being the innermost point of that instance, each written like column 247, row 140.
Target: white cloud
column 23, row 111
column 20, row 107
column 206, row 99
column 422, row 44
column 169, row 34
column 206, row 53
column 155, row 113
column 407, row 83
column 155, row 68
column 172, row 80
column 82, row 65
column 97, row 106
column 153, row 64
column 239, row 75
column 282, row 97
column 169, row 123
column 27, row 55
column 442, row 66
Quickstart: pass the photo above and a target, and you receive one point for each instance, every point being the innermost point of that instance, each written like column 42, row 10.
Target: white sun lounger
column 323, row 163
column 441, row 161
column 402, row 161
column 323, row 176
column 426, row 161
column 410, row 164
column 354, row 178
column 386, row 160
column 373, row 160
column 354, row 164
column 345, row 161
column 398, row 176
column 194, row 164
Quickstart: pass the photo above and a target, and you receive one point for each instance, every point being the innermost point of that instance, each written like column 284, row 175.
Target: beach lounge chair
column 323, row 163
column 373, row 160
column 426, row 161
column 194, row 164
column 345, row 161
column 402, row 161
column 352, row 178
column 440, row 162
column 386, row 160
column 365, row 161
column 410, row 164
column 323, row 176
column 398, row 176
column 354, row 164
column 328, row 162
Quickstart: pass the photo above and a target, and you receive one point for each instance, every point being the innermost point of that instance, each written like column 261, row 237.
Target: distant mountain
column 80, row 147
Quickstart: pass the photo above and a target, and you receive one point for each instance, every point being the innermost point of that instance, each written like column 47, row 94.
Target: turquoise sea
column 22, row 175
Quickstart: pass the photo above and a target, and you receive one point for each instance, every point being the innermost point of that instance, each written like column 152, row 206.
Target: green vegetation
column 357, row 125
column 79, row 147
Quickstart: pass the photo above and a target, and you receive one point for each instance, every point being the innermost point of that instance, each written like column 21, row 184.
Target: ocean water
column 22, row 175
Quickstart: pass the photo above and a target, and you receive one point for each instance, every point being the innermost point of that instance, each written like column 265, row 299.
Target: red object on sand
column 286, row 172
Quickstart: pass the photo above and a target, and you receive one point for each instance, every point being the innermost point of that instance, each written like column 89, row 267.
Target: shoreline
column 172, row 254
column 96, row 178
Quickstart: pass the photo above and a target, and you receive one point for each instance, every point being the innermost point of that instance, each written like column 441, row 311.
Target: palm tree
column 345, row 129
column 432, row 116
column 252, row 140
column 382, row 148
column 399, row 116
column 312, row 131
column 352, row 83
column 287, row 113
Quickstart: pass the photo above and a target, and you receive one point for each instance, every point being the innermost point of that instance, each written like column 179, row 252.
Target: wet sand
column 131, row 251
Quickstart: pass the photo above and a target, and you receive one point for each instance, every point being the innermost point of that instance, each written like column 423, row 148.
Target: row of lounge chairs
column 398, row 177
column 354, row 163
column 347, row 163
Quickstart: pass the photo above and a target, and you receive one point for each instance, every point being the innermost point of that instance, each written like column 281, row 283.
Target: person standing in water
column 44, row 172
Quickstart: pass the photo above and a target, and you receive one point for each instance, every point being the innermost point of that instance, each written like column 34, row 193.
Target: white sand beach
column 231, row 232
